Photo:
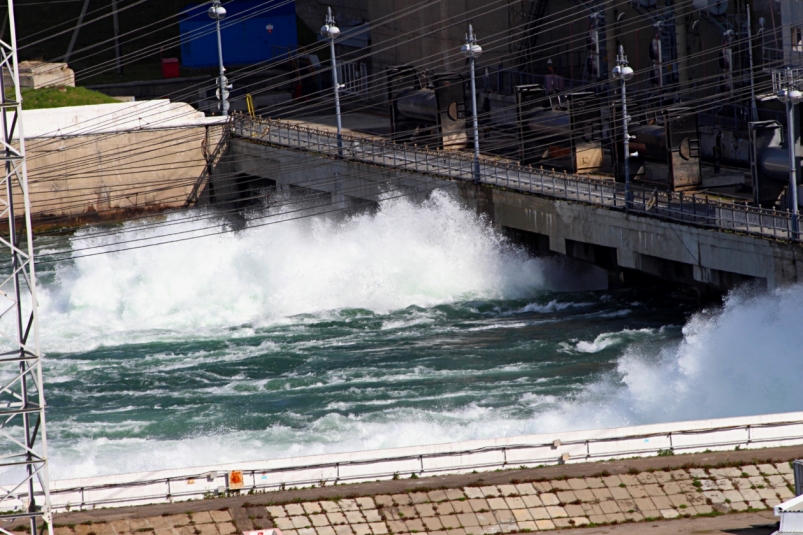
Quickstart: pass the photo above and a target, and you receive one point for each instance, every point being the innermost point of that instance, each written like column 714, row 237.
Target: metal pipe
column 753, row 109
column 217, row 12
column 331, row 31
column 790, row 118
column 116, row 24
column 472, row 50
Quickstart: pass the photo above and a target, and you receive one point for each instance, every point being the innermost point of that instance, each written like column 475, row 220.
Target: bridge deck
column 691, row 209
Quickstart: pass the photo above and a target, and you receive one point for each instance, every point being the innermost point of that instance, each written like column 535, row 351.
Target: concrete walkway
column 726, row 491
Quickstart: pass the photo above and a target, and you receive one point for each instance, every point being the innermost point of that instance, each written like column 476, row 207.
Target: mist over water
column 417, row 324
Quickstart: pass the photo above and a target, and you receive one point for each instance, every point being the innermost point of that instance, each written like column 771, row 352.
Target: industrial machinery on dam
column 704, row 113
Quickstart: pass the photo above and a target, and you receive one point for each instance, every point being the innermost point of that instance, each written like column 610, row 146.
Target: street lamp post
column 786, row 83
column 623, row 72
column 331, row 31
column 218, row 13
column 472, row 51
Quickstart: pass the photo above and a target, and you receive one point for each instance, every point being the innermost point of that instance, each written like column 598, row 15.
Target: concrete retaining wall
column 460, row 457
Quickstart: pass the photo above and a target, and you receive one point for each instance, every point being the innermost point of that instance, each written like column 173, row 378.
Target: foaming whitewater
column 417, row 324
column 406, row 254
column 744, row 359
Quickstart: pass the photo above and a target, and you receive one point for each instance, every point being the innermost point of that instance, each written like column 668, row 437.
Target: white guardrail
column 454, row 458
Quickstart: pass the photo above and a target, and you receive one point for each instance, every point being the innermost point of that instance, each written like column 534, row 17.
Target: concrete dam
column 695, row 241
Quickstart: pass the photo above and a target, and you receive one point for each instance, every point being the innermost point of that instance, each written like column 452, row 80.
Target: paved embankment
column 734, row 489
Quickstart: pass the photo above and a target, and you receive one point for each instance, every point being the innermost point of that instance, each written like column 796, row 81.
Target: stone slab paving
column 526, row 506
column 198, row 523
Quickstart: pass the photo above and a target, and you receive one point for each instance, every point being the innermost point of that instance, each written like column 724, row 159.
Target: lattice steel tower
column 23, row 447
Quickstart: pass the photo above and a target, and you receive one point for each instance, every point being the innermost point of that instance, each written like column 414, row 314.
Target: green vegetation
column 58, row 97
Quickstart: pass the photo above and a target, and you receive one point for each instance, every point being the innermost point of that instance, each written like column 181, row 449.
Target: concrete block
column 221, row 516
column 611, row 481
column 450, row 521
column 473, row 530
column 397, row 526
column 662, row 477
column 645, row 504
column 311, row 507
column 699, row 473
column 593, row 483
column 443, row 508
column 468, row 519
column 383, row 500
column 461, row 507
column 767, row 469
column 436, row 496
column 609, row 507
column 184, row 530
column 402, row 499
column 497, row 503
column 479, row 505
column 454, row 494
column 602, row 494
column 561, row 523
column 767, row 494
column 678, row 499
column 784, row 468
column 336, row 518
column 598, row 519
column 556, row 512
column 300, row 522
column 343, row 530
column 637, row 491
column 424, row 509
column 227, row 528
column 615, row 518
column 703, row 509
column 206, row 529
column 573, row 510
column 539, row 513
column 591, row 509
column 419, row 497
column 348, row 505
column 377, row 528
column 489, row 491
column 671, row 487
column 372, row 515
column 414, row 525
column 579, row 521
column 542, row 486
column 661, row 502
column 654, row 490
column 319, row 520
column 577, row 484
column 515, row 503
column 486, row 519
column 669, row 513
column 532, row 501
column 294, row 509
column 724, row 484
column 432, row 523
column 655, row 513
column 504, row 516
column 566, row 496
column 473, row 492
column 560, row 484
column 715, row 496
column 330, row 507
column 528, row 525
column 156, row 522
column 361, row 529
column 325, row 530
column 634, row 517
column 549, row 499
column 544, row 525
column 507, row 490
column 354, row 517
column 283, row 523
column 365, row 503
column 585, row 495
column 37, row 74
column 757, row 504
column 646, row 478
column 751, row 470
column 680, row 475
column 618, row 493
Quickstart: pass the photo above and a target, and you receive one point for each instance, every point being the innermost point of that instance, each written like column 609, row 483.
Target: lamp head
column 216, row 12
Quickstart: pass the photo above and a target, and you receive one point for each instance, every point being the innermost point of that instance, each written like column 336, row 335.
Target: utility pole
column 116, row 37
column 624, row 73
column 331, row 31
column 26, row 495
column 218, row 13
column 786, row 83
column 472, row 51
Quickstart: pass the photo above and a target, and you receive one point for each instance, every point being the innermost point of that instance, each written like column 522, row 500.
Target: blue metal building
column 253, row 31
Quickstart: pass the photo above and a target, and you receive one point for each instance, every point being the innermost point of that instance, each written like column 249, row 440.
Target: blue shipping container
column 253, row 31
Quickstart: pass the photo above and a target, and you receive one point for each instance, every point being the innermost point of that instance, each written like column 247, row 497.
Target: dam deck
column 713, row 492
column 693, row 240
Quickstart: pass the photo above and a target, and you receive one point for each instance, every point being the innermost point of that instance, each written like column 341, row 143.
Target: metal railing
column 691, row 209
column 776, row 430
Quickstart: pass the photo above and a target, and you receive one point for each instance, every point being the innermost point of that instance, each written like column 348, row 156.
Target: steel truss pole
column 25, row 494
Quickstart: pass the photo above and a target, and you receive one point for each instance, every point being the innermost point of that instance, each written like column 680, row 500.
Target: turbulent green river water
column 414, row 325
